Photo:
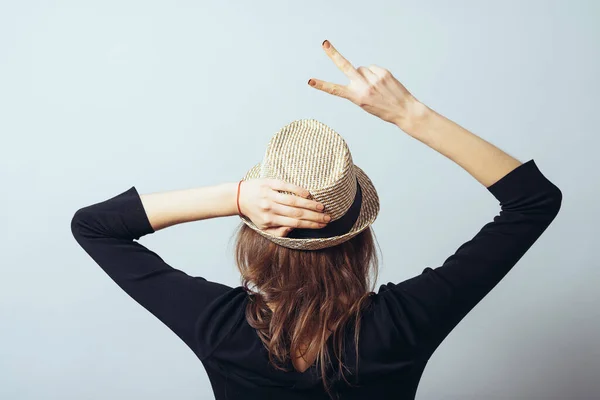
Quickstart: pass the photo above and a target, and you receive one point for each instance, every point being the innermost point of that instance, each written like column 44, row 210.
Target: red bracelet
column 238, row 197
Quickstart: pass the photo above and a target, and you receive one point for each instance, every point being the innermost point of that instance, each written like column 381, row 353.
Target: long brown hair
column 315, row 292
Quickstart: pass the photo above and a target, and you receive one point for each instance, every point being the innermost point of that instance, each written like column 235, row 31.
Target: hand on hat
column 278, row 213
column 374, row 89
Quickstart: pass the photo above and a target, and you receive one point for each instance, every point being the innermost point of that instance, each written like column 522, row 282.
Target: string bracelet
column 238, row 198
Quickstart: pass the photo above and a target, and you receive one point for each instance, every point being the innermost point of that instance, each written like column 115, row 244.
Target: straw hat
column 310, row 154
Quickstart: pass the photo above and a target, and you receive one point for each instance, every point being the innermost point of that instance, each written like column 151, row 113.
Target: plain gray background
column 98, row 96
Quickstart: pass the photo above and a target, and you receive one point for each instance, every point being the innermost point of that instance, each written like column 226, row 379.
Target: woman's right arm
column 427, row 307
column 378, row 92
column 484, row 161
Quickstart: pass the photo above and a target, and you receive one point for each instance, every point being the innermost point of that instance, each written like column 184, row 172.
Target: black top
column 401, row 328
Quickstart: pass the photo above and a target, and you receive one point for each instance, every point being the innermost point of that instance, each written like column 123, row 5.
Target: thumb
column 282, row 231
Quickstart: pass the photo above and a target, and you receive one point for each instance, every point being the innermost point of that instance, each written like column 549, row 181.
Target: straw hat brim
column 368, row 213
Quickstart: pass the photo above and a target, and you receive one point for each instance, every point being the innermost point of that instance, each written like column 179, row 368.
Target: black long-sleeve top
column 403, row 325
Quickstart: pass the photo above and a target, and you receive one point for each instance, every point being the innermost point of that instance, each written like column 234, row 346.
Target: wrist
column 228, row 197
column 414, row 117
column 237, row 198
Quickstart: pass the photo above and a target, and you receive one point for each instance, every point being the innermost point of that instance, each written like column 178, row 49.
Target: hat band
column 338, row 227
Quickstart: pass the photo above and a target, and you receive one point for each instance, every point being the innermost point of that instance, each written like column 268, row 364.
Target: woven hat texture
column 312, row 155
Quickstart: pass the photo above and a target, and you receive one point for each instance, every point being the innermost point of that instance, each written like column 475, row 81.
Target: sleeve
column 106, row 231
column 427, row 307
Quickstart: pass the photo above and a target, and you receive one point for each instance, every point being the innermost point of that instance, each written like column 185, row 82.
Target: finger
column 331, row 88
column 296, row 201
column 344, row 65
column 299, row 213
column 280, row 220
column 368, row 75
column 278, row 184
column 378, row 71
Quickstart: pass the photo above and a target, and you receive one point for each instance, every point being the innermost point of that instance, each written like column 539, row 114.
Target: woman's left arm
column 108, row 231
column 168, row 208
column 260, row 200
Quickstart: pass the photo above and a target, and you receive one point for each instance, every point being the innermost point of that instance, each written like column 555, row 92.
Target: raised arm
column 427, row 307
column 378, row 92
column 438, row 299
column 484, row 161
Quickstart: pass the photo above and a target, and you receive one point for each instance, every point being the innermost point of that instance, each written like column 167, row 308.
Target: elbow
column 78, row 222
column 86, row 223
column 555, row 201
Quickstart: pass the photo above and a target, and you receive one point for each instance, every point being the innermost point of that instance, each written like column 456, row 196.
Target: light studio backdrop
column 98, row 96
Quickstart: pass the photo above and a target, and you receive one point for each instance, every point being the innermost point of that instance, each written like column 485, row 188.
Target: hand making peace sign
column 374, row 89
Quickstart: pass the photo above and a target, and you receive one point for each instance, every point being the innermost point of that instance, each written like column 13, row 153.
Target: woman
column 309, row 255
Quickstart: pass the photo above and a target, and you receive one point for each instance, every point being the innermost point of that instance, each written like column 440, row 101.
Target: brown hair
column 315, row 292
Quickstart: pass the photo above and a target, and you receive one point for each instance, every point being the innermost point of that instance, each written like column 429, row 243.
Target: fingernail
column 311, row 82
column 326, row 43
column 327, row 218
column 320, row 207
